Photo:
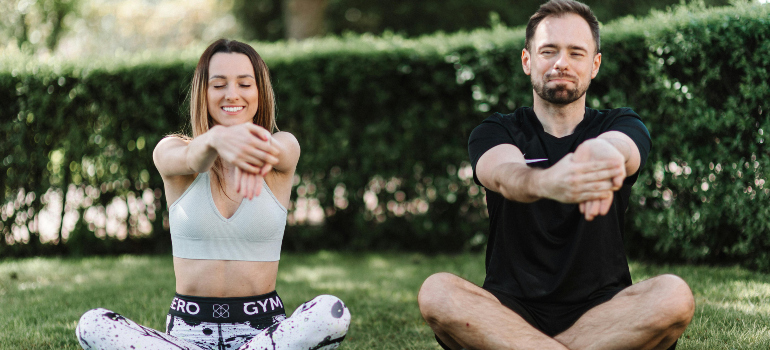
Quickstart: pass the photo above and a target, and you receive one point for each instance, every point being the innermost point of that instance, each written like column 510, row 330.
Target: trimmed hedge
column 383, row 123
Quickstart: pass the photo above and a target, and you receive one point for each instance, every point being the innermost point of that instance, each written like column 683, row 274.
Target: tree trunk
column 304, row 18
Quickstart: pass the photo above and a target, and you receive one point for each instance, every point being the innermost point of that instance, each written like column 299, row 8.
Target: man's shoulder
column 615, row 112
column 517, row 117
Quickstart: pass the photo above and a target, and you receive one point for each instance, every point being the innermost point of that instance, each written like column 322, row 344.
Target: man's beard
column 559, row 95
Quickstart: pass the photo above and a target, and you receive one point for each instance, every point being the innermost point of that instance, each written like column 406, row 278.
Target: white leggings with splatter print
column 319, row 324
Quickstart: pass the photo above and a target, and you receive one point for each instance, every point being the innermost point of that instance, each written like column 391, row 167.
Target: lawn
column 41, row 299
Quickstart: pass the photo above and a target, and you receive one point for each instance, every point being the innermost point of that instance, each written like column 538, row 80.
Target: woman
column 229, row 187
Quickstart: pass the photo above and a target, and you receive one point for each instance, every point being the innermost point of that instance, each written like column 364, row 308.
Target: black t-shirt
column 546, row 251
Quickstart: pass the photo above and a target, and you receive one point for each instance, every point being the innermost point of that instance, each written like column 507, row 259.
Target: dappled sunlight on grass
column 380, row 289
column 745, row 307
column 345, row 286
column 377, row 262
column 749, row 298
column 312, row 274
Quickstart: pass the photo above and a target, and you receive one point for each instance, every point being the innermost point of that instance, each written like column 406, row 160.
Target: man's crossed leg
column 648, row 315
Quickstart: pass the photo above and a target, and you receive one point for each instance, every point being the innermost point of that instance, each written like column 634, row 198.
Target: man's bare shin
column 466, row 316
column 648, row 315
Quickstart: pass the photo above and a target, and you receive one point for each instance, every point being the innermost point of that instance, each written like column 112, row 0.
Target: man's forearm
column 621, row 146
column 627, row 149
column 517, row 182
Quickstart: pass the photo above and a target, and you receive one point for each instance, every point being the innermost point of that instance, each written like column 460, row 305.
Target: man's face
column 562, row 62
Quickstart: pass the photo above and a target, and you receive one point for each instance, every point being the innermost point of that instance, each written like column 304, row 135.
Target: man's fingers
column 603, row 174
column 618, row 181
column 596, row 207
column 597, row 165
column 593, row 187
column 604, row 205
column 587, row 210
column 590, row 196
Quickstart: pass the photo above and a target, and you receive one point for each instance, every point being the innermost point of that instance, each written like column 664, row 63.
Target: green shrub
column 388, row 118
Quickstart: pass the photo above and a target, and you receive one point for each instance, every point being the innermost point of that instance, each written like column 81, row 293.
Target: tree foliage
column 35, row 24
column 263, row 19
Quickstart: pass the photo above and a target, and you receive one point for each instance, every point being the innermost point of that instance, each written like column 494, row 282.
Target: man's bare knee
column 433, row 295
column 676, row 302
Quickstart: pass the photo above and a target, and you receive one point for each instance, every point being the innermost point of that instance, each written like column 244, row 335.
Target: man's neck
column 559, row 120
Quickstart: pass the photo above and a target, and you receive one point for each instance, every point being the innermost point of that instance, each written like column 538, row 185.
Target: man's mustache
column 560, row 75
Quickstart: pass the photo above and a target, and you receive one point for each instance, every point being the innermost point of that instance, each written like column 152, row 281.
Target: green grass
column 41, row 299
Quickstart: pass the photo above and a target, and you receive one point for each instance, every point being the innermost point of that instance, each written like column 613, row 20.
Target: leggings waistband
column 226, row 310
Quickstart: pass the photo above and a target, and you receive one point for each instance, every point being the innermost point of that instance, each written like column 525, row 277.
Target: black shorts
column 550, row 318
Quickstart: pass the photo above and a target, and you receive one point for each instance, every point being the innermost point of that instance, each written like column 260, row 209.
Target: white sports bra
column 199, row 231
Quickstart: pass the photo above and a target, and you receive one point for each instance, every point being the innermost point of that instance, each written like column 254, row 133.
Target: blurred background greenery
column 383, row 112
column 79, row 29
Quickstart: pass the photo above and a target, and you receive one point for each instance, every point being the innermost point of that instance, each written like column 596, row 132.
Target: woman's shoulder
column 289, row 146
column 168, row 143
column 171, row 141
column 287, row 139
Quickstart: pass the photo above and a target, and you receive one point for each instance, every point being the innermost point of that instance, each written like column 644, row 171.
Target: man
column 558, row 177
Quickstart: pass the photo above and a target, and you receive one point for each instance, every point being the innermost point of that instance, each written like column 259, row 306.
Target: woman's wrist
column 211, row 138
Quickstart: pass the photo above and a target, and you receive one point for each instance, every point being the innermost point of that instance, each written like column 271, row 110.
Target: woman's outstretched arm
column 246, row 146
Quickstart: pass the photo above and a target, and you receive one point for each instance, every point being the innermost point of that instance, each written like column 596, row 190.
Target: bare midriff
column 224, row 278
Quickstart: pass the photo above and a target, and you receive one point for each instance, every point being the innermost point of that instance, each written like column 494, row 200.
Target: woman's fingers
column 247, row 143
column 258, row 156
column 268, row 142
column 248, row 167
column 266, row 170
column 258, row 188
column 255, row 184
column 237, row 180
column 250, row 184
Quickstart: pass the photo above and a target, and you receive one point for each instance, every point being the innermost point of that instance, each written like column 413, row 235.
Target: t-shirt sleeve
column 490, row 133
column 630, row 124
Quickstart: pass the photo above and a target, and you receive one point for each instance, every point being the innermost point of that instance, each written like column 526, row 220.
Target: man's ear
column 597, row 63
column 526, row 60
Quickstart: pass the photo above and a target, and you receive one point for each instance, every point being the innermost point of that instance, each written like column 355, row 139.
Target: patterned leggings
column 319, row 324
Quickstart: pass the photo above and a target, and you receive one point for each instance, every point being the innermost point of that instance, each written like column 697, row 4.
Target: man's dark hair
column 558, row 8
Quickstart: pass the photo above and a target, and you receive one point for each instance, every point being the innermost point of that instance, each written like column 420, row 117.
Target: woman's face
column 232, row 95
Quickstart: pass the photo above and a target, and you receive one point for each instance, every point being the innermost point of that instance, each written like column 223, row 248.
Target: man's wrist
column 531, row 186
column 621, row 146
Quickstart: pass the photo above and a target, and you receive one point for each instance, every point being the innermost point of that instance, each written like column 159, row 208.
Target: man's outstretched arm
column 503, row 169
